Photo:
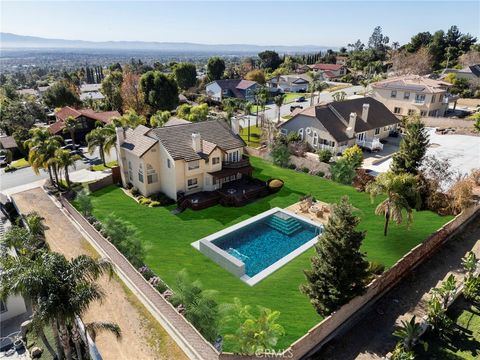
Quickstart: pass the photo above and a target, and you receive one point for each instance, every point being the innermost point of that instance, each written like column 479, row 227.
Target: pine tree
column 339, row 269
column 413, row 147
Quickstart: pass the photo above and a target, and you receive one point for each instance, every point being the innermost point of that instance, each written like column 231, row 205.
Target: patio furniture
column 319, row 214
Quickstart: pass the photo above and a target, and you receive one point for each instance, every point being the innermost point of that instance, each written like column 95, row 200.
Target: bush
column 129, row 186
column 84, row 203
column 292, row 166
column 355, row 155
column 134, row 191
column 374, row 269
column 154, row 203
column 280, row 154
column 293, row 137
column 362, row 179
column 321, row 174
column 160, row 287
column 275, row 184
column 471, row 290
column 162, row 198
column 305, row 170
column 324, row 155
column 343, row 171
column 10, row 168
column 298, row 148
column 144, row 201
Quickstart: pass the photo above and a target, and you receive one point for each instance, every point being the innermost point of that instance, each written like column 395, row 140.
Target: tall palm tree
column 320, row 87
column 65, row 159
column 400, row 190
column 315, row 76
column 96, row 327
column 103, row 139
column 279, row 99
column 70, row 127
column 247, row 108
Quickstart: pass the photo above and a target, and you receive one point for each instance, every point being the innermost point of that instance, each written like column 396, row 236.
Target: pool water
column 264, row 242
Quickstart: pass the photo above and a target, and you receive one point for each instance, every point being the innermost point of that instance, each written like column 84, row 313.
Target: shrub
column 275, row 184
column 144, row 201
column 10, row 168
column 84, row 203
column 292, row 166
column 362, row 179
column 160, row 287
column 324, row 155
column 154, row 203
column 280, row 154
column 129, row 186
column 298, row 148
column 306, row 170
column 162, row 198
column 134, row 191
column 321, row 174
column 343, row 171
column 374, row 269
column 471, row 289
column 355, row 155
column 293, row 137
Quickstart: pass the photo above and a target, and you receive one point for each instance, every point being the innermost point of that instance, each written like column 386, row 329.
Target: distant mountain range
column 14, row 41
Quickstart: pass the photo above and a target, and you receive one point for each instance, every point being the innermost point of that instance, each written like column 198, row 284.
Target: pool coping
column 273, row 267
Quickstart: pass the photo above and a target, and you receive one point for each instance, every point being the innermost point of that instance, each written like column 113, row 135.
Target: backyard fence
column 101, row 183
column 188, row 338
column 197, row 347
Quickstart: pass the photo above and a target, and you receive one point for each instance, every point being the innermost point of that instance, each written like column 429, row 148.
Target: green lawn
column 290, row 97
column 255, row 135
column 20, row 163
column 167, row 239
column 463, row 342
column 101, row 167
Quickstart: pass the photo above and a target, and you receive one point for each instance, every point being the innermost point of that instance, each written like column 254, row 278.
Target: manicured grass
column 20, row 163
column 464, row 340
column 167, row 239
column 290, row 97
column 255, row 135
column 33, row 340
column 101, row 167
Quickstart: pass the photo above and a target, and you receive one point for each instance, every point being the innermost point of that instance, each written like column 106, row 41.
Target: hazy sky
column 226, row 22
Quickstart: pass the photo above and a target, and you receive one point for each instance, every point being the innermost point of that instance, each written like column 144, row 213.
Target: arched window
column 300, row 132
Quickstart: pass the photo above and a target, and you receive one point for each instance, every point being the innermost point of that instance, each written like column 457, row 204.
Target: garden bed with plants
column 167, row 238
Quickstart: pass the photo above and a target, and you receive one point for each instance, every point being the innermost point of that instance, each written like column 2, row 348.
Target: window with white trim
column 377, row 131
column 300, row 133
column 393, row 94
column 397, row 110
column 130, row 171
column 192, row 183
column 192, row 165
column 406, row 95
column 152, row 176
column 215, row 160
column 140, row 173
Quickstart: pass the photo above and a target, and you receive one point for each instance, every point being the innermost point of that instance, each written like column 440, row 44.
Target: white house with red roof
column 330, row 71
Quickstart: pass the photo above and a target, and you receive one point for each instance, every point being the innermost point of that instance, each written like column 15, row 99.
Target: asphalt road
column 26, row 175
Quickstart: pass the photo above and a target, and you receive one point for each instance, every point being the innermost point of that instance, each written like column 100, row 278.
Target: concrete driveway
column 463, row 151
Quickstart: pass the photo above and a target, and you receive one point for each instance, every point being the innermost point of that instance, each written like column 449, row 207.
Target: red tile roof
column 324, row 67
column 65, row 112
column 57, row 127
column 105, row 116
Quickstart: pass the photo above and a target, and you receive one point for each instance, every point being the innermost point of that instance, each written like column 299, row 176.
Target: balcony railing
column 370, row 144
column 235, row 164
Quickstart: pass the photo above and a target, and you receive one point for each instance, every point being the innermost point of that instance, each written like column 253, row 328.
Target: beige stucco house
column 181, row 159
column 339, row 125
column 413, row 94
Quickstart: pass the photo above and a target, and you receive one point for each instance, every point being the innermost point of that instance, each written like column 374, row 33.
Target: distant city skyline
column 321, row 23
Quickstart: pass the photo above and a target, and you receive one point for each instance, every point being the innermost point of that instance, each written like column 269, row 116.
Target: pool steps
column 285, row 224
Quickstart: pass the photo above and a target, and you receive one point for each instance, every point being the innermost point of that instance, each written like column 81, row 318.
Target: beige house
column 181, row 159
column 413, row 94
column 339, row 125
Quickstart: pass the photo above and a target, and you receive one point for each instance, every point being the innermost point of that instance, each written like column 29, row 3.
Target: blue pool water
column 262, row 243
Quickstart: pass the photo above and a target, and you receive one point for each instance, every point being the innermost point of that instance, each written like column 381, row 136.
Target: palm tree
column 95, row 327
column 279, row 99
column 247, row 108
column 400, row 190
column 409, row 333
column 320, row 87
column 315, row 76
column 103, row 139
column 65, row 159
column 70, row 127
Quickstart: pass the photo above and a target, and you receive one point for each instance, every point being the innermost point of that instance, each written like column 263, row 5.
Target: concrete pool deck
column 236, row 266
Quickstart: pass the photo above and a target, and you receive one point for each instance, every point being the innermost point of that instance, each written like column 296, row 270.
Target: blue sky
column 228, row 22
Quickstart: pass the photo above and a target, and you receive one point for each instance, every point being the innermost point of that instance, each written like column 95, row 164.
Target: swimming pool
column 255, row 248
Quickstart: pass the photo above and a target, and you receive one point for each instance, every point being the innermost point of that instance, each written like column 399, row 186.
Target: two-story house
column 86, row 121
column 241, row 89
column 181, row 159
column 413, row 94
column 290, row 83
column 330, row 71
column 339, row 125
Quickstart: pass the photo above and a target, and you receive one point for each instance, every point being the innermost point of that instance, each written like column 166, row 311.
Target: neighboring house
column 87, row 119
column 471, row 73
column 91, row 91
column 8, row 143
column 339, row 125
column 341, row 59
column 330, row 71
column 28, row 92
column 289, row 83
column 241, row 89
column 41, row 90
column 181, row 159
column 413, row 94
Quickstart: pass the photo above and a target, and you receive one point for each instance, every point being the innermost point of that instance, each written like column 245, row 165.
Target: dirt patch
column 371, row 337
column 460, row 126
column 143, row 337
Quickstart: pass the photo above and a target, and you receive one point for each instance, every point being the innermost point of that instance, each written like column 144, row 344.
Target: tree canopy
column 61, row 94
column 185, row 75
column 160, row 91
column 215, row 68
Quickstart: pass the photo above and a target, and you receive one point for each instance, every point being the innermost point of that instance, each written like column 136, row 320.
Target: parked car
column 300, row 99
column 3, row 160
column 293, row 107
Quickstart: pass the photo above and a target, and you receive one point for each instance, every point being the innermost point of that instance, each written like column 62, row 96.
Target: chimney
column 120, row 131
column 235, row 125
column 351, row 125
column 196, row 142
column 365, row 109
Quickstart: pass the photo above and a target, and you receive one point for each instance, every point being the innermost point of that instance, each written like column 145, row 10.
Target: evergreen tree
column 339, row 269
column 412, row 148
